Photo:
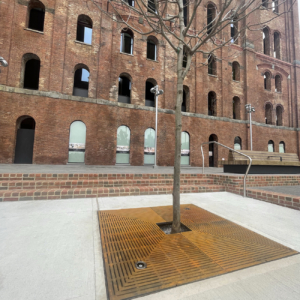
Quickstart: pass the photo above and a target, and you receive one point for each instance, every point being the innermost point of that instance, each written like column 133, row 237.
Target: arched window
column 275, row 6
column 281, row 147
column 267, row 81
column 152, row 48
column 36, row 15
column 84, row 29
column 185, row 148
column 234, row 30
column 236, row 104
column 151, row 6
column 124, row 89
column 123, row 145
column 278, row 83
column 126, row 45
column 270, row 146
column 266, row 41
column 237, row 143
column 150, row 97
column 276, row 45
column 81, row 81
column 185, row 12
column 279, row 112
column 235, row 71
column 211, row 14
column 149, row 146
column 77, row 142
column 212, row 104
column 31, row 71
column 268, row 113
column 25, row 140
column 185, row 95
column 184, row 59
column 129, row 2
column 213, row 151
column 212, row 65
column 265, row 3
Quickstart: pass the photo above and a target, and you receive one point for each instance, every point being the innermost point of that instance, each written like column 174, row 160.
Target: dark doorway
column 25, row 141
column 213, row 151
column 32, row 74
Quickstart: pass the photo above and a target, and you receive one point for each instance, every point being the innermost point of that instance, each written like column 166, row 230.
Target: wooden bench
column 262, row 163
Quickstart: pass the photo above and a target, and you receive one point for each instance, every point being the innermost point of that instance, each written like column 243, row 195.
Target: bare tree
column 174, row 21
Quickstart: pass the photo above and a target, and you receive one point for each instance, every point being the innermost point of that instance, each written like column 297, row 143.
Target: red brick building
column 69, row 62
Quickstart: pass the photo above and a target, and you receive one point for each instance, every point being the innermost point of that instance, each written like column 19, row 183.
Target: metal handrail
column 245, row 176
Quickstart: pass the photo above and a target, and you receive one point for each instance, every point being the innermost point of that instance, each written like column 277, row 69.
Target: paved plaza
column 51, row 250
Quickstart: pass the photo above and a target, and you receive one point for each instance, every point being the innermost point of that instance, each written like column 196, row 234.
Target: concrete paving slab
column 51, row 249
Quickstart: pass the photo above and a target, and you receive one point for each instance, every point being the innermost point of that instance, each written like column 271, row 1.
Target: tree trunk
column 177, row 160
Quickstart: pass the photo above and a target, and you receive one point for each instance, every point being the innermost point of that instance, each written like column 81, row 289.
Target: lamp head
column 153, row 90
column 3, row 62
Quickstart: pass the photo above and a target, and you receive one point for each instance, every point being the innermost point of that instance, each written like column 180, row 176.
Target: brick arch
column 279, row 105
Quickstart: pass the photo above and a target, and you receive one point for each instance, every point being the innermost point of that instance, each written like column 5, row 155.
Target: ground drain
column 140, row 265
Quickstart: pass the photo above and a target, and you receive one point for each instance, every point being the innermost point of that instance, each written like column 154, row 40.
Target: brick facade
column 54, row 108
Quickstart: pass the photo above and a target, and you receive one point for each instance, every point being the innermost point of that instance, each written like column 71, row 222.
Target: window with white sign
column 149, row 146
column 123, row 145
column 77, row 142
column 185, row 148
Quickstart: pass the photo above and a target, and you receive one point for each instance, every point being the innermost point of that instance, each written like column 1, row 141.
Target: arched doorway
column 213, row 151
column 185, row 149
column 77, row 142
column 237, row 143
column 25, row 140
column 123, row 145
column 149, row 146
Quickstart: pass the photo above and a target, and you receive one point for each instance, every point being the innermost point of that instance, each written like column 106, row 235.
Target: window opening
column 151, row 50
column 185, row 148
column 235, row 71
column 126, row 41
column 183, row 105
column 184, row 59
column 211, row 14
column 77, row 142
column 151, row 6
column 275, row 6
column 123, row 145
column 236, row 108
column 212, row 104
column 212, row 68
column 267, row 81
column 277, row 45
column 81, row 82
column 234, row 30
column 237, row 143
column 268, row 114
column 149, row 97
column 265, row 3
column 124, row 89
column 266, row 41
column 270, row 146
column 84, row 29
column 149, row 146
column 277, row 84
column 129, row 2
column 32, row 74
column 281, row 147
column 185, row 12
column 36, row 10
column 279, row 115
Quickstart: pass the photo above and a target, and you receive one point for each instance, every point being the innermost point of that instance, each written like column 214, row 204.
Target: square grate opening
column 166, row 227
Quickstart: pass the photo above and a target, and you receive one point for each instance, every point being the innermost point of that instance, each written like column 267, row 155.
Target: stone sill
column 215, row 76
column 32, row 30
column 82, row 43
column 126, row 54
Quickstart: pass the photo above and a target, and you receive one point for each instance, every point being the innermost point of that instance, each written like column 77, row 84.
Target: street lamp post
column 249, row 110
column 156, row 92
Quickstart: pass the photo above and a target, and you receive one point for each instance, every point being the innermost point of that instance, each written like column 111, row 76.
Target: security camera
column 253, row 109
column 3, row 62
column 160, row 92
